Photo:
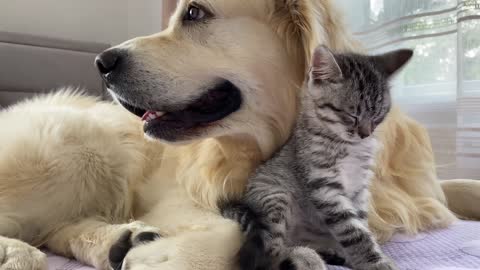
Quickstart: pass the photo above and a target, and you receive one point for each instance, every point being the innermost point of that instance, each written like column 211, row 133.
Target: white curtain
column 441, row 86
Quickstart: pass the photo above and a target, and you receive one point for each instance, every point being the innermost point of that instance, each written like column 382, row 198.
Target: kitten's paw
column 252, row 255
column 18, row 255
column 302, row 258
column 136, row 235
column 331, row 257
column 385, row 264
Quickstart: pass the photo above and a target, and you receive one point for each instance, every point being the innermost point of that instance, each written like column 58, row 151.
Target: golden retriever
column 218, row 90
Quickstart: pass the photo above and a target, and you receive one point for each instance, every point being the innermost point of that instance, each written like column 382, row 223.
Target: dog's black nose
column 108, row 60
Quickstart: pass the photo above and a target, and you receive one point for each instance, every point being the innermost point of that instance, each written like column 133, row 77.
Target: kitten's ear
column 391, row 62
column 324, row 65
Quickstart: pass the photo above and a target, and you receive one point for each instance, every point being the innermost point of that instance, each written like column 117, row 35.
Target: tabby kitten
column 311, row 199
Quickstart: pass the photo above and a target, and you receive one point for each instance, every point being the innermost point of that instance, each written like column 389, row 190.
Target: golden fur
column 406, row 194
column 462, row 196
column 71, row 167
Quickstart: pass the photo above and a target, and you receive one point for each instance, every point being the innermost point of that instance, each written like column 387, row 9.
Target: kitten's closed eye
column 348, row 119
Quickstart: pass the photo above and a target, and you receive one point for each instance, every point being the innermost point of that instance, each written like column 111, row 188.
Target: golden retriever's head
column 222, row 67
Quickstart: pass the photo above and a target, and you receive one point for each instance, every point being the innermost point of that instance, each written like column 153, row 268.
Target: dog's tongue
column 146, row 115
column 151, row 115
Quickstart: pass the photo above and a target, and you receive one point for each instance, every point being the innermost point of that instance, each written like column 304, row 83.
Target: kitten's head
column 351, row 92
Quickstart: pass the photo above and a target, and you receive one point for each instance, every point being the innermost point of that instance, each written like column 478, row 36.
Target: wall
column 104, row 21
column 144, row 17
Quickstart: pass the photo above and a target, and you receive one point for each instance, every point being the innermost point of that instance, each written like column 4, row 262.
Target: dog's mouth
column 213, row 106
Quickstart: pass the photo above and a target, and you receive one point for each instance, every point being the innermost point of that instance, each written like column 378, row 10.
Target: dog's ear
column 304, row 24
column 293, row 21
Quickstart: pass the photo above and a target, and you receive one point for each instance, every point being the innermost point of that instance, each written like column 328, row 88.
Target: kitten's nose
column 365, row 130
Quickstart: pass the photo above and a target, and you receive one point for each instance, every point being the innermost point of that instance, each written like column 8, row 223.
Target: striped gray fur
column 311, row 199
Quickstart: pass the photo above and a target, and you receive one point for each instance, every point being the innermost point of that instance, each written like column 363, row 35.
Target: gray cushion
column 30, row 65
column 40, row 41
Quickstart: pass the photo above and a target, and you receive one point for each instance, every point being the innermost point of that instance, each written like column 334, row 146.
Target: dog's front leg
column 89, row 241
column 18, row 255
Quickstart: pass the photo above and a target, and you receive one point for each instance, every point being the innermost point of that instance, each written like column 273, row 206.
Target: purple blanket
column 455, row 248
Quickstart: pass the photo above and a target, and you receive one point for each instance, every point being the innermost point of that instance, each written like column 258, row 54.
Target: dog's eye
column 194, row 13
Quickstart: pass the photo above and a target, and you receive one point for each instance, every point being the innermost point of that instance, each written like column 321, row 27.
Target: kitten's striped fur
column 310, row 200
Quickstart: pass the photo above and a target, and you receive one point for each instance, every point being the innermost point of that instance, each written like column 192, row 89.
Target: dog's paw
column 17, row 255
column 302, row 258
column 137, row 234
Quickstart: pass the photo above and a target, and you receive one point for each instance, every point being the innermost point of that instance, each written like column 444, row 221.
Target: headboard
column 33, row 64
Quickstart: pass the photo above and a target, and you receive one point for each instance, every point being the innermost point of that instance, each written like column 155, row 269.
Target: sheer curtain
column 441, row 86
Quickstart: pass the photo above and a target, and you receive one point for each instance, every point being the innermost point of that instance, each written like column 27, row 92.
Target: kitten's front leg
column 342, row 220
column 264, row 221
column 276, row 208
column 361, row 203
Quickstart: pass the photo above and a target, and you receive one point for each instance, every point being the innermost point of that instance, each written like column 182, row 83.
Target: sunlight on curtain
column 441, row 86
